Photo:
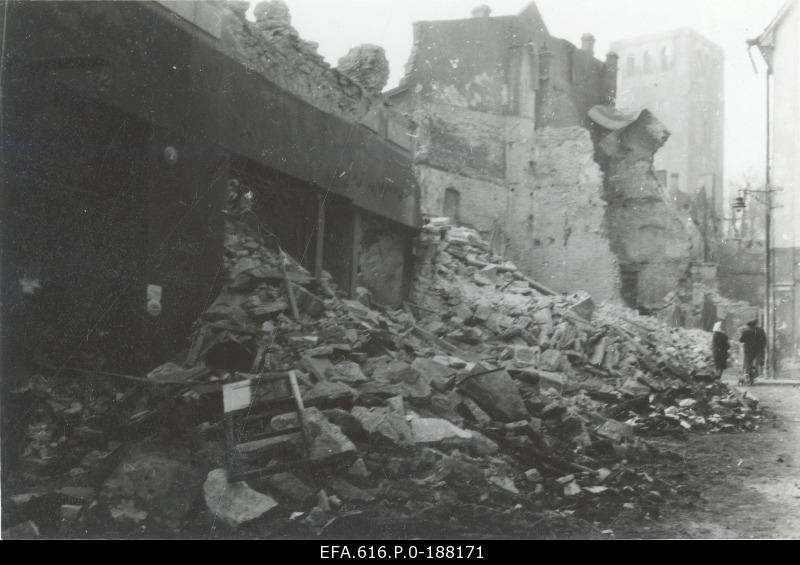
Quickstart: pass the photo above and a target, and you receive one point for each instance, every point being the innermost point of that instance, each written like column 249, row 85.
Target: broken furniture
column 255, row 444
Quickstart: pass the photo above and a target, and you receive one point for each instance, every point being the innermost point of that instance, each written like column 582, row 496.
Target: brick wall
column 556, row 219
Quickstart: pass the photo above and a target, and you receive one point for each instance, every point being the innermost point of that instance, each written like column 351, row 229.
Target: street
column 746, row 485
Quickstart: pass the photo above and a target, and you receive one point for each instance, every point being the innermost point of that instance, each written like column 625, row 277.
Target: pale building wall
column 786, row 176
column 786, row 131
column 684, row 88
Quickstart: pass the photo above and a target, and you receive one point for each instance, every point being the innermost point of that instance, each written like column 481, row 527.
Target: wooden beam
column 320, row 247
column 355, row 251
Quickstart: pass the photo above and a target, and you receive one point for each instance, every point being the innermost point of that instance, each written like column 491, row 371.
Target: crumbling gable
column 655, row 245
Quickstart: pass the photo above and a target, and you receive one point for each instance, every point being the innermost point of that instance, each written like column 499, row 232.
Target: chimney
column 482, row 11
column 587, row 43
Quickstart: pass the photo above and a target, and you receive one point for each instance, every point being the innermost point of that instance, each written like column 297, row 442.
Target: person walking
column 761, row 349
column 720, row 344
column 754, row 341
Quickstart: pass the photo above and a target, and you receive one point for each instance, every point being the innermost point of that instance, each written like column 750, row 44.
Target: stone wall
column 648, row 234
column 385, row 250
column 546, row 212
column 540, row 196
column 454, row 139
column 508, row 65
column 483, row 204
column 506, row 144
column 556, row 218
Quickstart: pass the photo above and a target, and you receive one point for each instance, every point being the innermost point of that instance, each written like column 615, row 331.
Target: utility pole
column 769, row 315
column 770, row 326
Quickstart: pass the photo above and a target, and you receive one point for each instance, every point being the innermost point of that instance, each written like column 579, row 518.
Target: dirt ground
column 739, row 485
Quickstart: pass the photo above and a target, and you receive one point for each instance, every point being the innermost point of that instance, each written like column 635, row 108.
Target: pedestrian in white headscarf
column 719, row 349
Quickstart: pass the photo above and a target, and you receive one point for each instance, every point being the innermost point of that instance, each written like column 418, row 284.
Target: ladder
column 253, row 446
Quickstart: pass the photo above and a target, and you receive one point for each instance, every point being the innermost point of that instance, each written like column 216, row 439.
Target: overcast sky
column 340, row 24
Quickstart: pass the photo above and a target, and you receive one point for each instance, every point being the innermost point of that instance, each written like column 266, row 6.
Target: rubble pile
column 610, row 352
column 489, row 406
column 73, row 431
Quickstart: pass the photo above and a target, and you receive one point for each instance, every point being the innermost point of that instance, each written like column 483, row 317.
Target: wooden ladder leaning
column 253, row 446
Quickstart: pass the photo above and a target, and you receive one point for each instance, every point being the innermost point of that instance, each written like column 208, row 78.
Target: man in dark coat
column 755, row 341
column 719, row 348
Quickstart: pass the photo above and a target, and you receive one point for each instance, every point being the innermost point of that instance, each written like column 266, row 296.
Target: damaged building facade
column 652, row 69
column 517, row 137
column 779, row 44
column 124, row 124
column 208, row 234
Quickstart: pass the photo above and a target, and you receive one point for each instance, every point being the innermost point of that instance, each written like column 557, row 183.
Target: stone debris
column 367, row 65
column 159, row 481
column 234, row 503
column 480, row 395
column 25, row 530
column 384, row 425
column 272, row 14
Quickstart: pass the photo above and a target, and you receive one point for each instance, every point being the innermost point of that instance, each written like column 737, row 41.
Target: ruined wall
column 679, row 75
column 385, row 249
column 504, row 133
column 501, row 109
column 556, row 218
column 273, row 48
column 647, row 233
column 466, row 142
column 544, row 209
column 463, row 62
column 188, row 102
column 572, row 81
column 483, row 203
column 494, row 64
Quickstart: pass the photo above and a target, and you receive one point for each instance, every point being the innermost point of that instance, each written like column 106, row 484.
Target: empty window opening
column 647, row 62
column 630, row 287
column 666, row 58
column 675, row 182
column 631, row 65
column 452, row 204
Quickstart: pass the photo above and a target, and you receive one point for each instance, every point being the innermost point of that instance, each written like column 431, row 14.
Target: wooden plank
column 230, row 443
column 235, row 329
column 447, row 346
column 289, row 292
column 272, row 434
column 253, row 473
column 320, row 247
column 355, row 242
column 259, row 358
column 194, row 353
column 267, row 443
column 301, row 411
column 516, row 274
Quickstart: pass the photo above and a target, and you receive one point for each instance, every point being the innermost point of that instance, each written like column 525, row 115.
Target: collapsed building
column 175, row 165
column 517, row 137
column 124, row 122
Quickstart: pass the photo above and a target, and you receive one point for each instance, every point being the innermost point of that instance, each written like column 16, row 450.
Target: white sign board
column 236, row 396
